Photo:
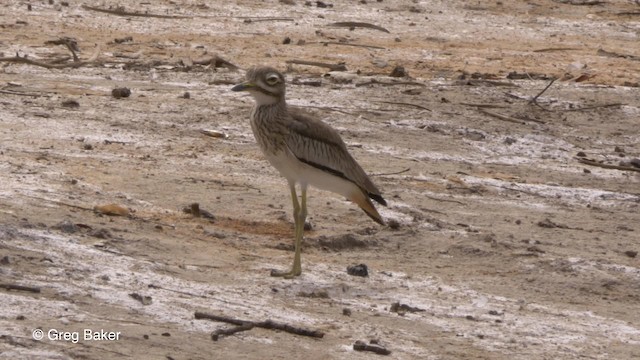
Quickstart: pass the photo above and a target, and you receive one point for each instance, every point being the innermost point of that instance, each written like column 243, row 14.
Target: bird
column 306, row 151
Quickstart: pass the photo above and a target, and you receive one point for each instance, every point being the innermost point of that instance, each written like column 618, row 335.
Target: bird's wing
column 317, row 144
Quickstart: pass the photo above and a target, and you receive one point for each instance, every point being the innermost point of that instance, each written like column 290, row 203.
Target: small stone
column 358, row 270
column 399, row 71
column 186, row 95
column 631, row 253
column 87, row 147
column 346, row 312
column 286, row 41
column 5, row 260
column 122, row 92
column 635, row 162
column 618, row 149
column 393, row 224
column 581, row 154
column 509, row 140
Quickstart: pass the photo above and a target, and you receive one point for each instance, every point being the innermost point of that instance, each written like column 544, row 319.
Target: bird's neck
column 275, row 109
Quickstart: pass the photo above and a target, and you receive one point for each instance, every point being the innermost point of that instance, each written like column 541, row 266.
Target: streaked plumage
column 305, row 151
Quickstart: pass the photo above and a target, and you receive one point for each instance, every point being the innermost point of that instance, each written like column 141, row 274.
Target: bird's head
column 265, row 84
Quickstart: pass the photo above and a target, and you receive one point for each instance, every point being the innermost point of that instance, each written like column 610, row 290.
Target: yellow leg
column 299, row 217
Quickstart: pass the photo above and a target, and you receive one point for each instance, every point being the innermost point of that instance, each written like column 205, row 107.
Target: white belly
column 298, row 172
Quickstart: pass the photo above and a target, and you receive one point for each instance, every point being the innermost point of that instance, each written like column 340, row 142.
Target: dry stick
column 21, row 93
column 70, row 43
column 20, row 287
column 608, row 166
column 594, row 107
column 502, row 117
column 353, row 24
column 535, row 98
column 21, row 60
column 484, row 105
column 555, row 49
column 347, row 44
column 243, row 325
column 404, row 103
column 121, row 12
column 332, row 67
column 374, row 81
column 252, row 19
column 392, row 173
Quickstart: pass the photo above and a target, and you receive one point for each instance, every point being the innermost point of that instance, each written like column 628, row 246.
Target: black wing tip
column 378, row 198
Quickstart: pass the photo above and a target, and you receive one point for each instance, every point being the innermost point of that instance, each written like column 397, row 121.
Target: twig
column 70, row 43
column 602, row 52
column 24, row 60
column 332, row 67
column 535, row 98
column 244, row 325
column 484, row 105
column 75, row 64
column 445, row 200
column 404, row 103
column 21, row 93
column 254, row 19
column 392, row 173
column 594, row 107
column 608, row 166
column 362, row 346
column 348, row 44
column 354, row 24
column 374, row 81
column 555, row 49
column 502, row 117
column 20, row 288
column 121, row 12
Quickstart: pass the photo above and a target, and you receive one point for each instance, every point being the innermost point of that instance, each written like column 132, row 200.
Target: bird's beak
column 243, row 87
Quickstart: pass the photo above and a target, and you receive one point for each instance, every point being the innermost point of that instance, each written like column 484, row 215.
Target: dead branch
column 258, row 19
column 362, row 346
column 120, row 11
column 354, row 24
column 216, row 61
column 244, row 325
column 331, row 67
column 69, row 43
column 502, row 117
column 75, row 64
column 602, row 52
column 20, row 288
column 348, row 44
column 21, row 93
column 404, row 103
column 595, row 107
column 608, row 166
column 391, row 173
column 556, row 49
column 581, row 2
column 374, row 81
column 484, row 105
column 24, row 60
column 535, row 98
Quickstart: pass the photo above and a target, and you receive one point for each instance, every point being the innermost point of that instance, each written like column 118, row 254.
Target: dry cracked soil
column 508, row 150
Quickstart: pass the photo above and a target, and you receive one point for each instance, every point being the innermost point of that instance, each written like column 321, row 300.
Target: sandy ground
column 503, row 245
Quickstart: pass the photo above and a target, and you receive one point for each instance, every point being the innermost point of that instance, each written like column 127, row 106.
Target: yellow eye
column 272, row 79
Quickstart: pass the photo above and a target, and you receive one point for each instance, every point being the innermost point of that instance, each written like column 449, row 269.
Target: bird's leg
column 299, row 228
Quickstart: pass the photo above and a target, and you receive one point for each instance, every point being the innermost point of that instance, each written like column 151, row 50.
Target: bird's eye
column 272, row 79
